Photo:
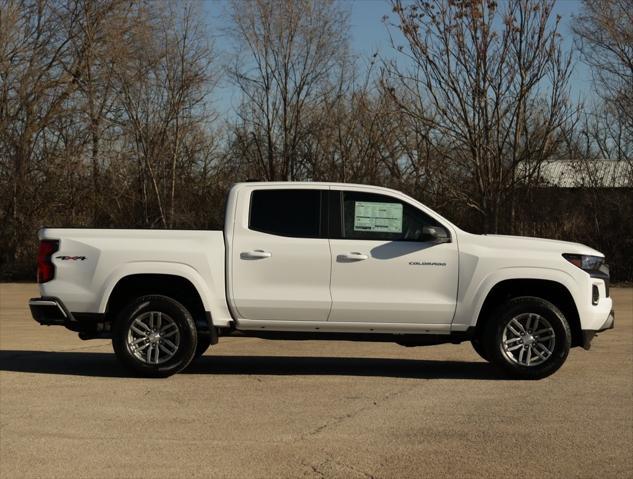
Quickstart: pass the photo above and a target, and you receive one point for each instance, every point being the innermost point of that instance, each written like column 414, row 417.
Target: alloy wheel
column 153, row 337
column 528, row 339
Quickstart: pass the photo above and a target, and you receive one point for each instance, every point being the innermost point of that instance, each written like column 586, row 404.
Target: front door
column 384, row 268
column 280, row 256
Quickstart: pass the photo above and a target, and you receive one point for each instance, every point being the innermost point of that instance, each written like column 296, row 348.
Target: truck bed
column 91, row 261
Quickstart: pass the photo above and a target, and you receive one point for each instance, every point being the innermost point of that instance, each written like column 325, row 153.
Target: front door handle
column 255, row 254
column 353, row 256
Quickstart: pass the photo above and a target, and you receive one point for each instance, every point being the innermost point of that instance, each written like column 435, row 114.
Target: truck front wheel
column 527, row 337
column 155, row 336
column 203, row 344
column 478, row 346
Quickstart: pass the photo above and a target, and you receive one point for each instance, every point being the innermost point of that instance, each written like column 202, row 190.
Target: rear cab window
column 288, row 212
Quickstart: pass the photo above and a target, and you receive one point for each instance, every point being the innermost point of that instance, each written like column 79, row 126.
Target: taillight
column 45, row 266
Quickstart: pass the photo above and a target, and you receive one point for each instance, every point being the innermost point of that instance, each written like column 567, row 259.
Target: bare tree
column 103, row 117
column 34, row 87
column 605, row 31
column 94, row 34
column 604, row 138
column 162, row 86
column 492, row 86
column 290, row 51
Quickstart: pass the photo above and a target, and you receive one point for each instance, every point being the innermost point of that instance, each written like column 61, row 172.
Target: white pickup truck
column 323, row 261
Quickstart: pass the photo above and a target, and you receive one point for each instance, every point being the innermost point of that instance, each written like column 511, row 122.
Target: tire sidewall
column 203, row 344
column 516, row 307
column 479, row 348
column 186, row 327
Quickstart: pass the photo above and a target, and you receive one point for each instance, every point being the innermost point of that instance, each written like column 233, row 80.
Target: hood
column 538, row 244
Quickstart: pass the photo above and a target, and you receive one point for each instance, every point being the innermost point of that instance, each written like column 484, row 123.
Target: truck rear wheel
column 155, row 336
column 527, row 337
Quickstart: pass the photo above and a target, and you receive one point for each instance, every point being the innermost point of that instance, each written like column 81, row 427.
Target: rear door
column 280, row 256
column 384, row 269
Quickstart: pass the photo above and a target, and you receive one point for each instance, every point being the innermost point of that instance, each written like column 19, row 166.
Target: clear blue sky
column 368, row 35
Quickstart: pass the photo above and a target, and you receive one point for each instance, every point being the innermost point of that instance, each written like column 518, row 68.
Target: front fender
column 469, row 306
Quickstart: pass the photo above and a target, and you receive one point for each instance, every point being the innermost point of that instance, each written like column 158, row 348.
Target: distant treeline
column 107, row 118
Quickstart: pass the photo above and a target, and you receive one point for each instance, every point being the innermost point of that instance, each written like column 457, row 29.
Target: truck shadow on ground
column 76, row 363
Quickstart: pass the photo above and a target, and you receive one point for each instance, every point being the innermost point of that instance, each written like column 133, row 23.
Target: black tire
column 479, row 349
column 172, row 312
column 204, row 342
column 519, row 308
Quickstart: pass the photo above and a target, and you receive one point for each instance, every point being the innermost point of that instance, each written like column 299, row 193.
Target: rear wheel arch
column 133, row 286
column 552, row 291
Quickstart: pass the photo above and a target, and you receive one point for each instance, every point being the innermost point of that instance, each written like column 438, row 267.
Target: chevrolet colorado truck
column 323, row 261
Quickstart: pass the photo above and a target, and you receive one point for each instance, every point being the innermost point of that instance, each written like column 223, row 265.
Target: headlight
column 585, row 262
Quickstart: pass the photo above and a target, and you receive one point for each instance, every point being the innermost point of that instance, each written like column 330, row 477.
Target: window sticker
column 373, row 216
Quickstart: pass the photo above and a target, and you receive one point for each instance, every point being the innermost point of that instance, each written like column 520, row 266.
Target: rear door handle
column 255, row 254
column 353, row 256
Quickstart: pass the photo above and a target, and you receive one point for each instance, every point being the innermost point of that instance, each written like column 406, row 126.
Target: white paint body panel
column 386, row 287
column 400, row 282
column 292, row 284
column 85, row 286
column 486, row 260
column 302, row 286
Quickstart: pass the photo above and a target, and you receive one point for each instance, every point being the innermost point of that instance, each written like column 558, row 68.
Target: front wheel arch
column 552, row 291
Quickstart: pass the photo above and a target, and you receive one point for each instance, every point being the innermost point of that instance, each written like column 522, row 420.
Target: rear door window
column 286, row 212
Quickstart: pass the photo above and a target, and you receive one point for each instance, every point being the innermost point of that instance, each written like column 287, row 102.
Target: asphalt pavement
column 254, row 408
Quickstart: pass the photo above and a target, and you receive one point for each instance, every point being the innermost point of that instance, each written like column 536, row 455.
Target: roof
column 582, row 173
column 313, row 184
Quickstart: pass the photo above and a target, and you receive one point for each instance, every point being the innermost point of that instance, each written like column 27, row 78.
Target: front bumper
column 589, row 334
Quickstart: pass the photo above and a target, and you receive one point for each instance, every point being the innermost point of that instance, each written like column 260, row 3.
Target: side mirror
column 435, row 234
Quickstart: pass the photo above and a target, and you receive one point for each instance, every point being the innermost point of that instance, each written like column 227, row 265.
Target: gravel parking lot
column 257, row 408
